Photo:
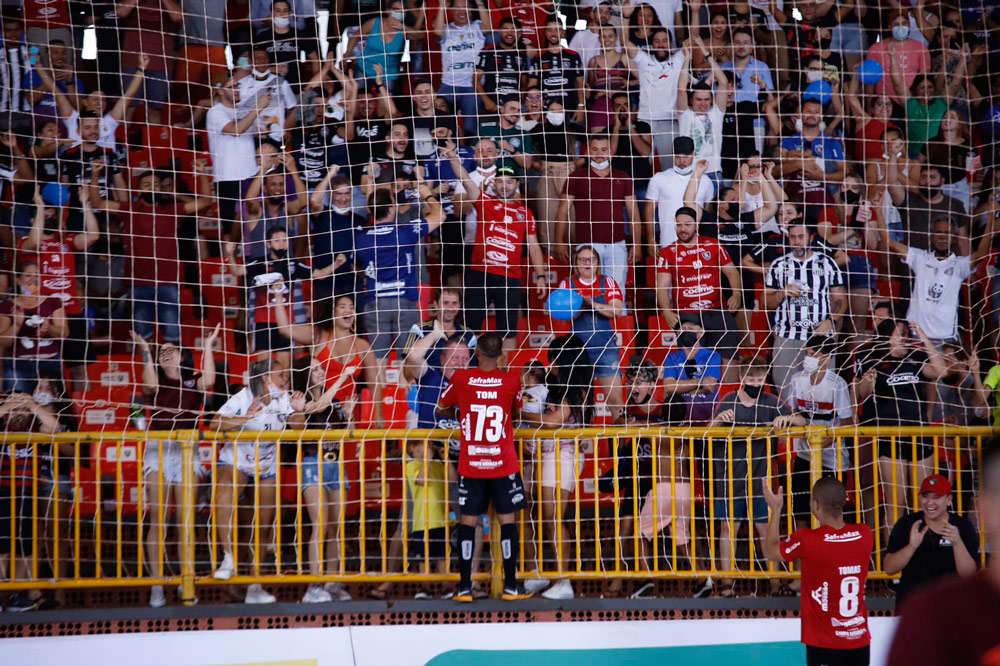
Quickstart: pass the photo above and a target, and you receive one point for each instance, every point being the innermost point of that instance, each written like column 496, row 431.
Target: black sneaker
column 705, row 589
column 515, row 593
column 463, row 594
column 20, row 603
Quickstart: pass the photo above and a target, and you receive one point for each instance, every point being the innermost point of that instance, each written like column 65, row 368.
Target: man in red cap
column 931, row 543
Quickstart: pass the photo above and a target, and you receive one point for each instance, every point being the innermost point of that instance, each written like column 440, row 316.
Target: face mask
column 44, row 398
column 683, row 171
column 852, row 198
column 280, row 254
column 399, row 16
column 814, row 75
column 886, row 328
column 342, row 211
column 51, row 225
column 261, row 73
column 281, row 22
column 600, row 164
column 149, row 197
column 900, row 32
column 733, row 209
column 810, row 363
column 243, row 62
column 555, row 117
column 687, row 339
column 752, row 391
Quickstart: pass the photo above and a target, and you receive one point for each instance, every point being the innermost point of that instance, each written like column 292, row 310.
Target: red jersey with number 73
column 834, row 571
column 486, row 400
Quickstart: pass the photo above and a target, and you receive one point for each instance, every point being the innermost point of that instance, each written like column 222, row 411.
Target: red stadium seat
column 661, row 341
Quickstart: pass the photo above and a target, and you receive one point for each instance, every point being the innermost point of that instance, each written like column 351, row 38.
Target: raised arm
column 150, row 380
column 118, row 110
column 207, row 380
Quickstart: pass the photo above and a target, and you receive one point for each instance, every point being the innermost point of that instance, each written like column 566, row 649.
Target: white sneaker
column 315, row 594
column 156, row 597
column 258, row 595
column 226, row 569
column 535, row 585
column 337, row 591
column 560, row 590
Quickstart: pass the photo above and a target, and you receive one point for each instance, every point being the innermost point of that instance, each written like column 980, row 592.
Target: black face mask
column 687, row 339
column 952, row 378
column 149, row 197
column 886, row 328
column 753, row 391
column 279, row 254
column 851, row 198
column 732, row 209
column 51, row 225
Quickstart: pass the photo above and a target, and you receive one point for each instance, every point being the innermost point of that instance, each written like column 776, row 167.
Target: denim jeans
column 465, row 100
column 21, row 374
column 160, row 305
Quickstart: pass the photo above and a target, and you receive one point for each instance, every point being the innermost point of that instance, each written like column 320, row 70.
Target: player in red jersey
column 689, row 279
column 488, row 470
column 835, row 559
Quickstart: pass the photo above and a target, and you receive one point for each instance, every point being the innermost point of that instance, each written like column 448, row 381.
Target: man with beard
column 150, row 225
column 316, row 144
column 753, row 76
column 929, row 204
column 382, row 172
column 659, row 74
column 77, row 163
column 270, row 205
column 504, row 226
column 366, row 126
column 811, row 159
column 631, row 143
column 503, row 69
column 938, row 277
column 806, row 290
column 560, row 71
column 512, row 141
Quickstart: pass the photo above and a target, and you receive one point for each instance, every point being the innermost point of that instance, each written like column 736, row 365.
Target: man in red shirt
column 483, row 399
column 150, row 227
column 503, row 226
column 56, row 252
column 835, row 558
column 689, row 280
column 955, row 621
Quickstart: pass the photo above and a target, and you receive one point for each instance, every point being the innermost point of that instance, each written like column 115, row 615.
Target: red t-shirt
column 834, row 572
column 695, row 272
column 46, row 14
column 532, row 17
column 500, row 233
column 598, row 205
column 152, row 236
column 612, row 292
column 57, row 265
column 486, row 400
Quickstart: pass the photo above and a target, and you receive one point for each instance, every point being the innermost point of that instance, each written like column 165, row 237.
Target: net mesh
column 307, row 212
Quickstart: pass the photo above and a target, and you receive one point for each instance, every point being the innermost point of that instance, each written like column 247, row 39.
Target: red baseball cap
column 937, row 484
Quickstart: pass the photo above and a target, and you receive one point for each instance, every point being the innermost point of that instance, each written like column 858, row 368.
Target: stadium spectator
column 146, row 27
column 512, row 141
column 702, row 112
column 426, row 479
column 909, row 56
column 447, row 309
column 589, row 43
column 931, row 543
column 428, row 122
column 504, row 68
column 280, row 114
column 203, row 53
column 631, row 143
column 665, row 195
column 39, row 95
column 32, row 327
column 608, row 72
column 691, row 376
column 554, row 145
column 752, row 76
column 952, row 151
column 560, row 71
column 384, row 39
column 395, row 161
column 285, row 42
column 805, row 288
column 276, row 199
column 811, row 161
column 177, row 390
column 925, row 206
column 15, row 63
column 659, row 72
column 461, row 42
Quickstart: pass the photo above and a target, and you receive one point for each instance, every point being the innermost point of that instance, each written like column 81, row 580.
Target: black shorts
column 802, row 488
column 905, row 449
column 506, row 493
column 435, row 545
column 74, row 349
column 504, row 293
column 816, row 656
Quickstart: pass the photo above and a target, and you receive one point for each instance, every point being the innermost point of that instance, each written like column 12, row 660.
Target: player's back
column 834, row 564
column 486, row 400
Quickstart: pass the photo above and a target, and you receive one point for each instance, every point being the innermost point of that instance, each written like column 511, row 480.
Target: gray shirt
column 204, row 22
column 750, row 459
column 918, row 217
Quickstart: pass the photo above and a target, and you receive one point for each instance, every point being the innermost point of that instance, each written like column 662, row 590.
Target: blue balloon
column 818, row 90
column 563, row 304
column 870, row 72
column 55, row 194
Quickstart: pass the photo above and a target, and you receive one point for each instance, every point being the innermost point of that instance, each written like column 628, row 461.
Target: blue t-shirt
column 823, row 146
column 437, row 169
column 423, row 399
column 387, row 253
column 333, row 234
column 33, row 79
column 706, row 363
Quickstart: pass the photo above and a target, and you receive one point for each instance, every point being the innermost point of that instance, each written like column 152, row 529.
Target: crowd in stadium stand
column 767, row 214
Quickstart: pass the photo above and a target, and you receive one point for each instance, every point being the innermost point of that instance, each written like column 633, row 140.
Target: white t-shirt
column 274, row 415
column 460, row 49
column 825, row 404
column 658, row 85
column 478, row 177
column 936, row 286
column 270, row 119
column 233, row 155
column 667, row 188
column 588, row 44
column 108, row 128
column 706, row 131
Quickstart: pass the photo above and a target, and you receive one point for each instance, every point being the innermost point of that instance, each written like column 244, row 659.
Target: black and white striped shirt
column 795, row 317
column 13, row 68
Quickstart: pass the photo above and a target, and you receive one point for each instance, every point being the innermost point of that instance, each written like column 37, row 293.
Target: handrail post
column 496, row 557
column 188, row 444
column 816, row 439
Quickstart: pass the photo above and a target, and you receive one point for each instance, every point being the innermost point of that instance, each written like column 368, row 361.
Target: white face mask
column 282, row 21
column 555, row 117
column 600, row 164
column 683, row 171
column 261, row 73
column 341, row 211
column 810, row 363
column 900, row 32
column 814, row 75
column 44, row 398
column 399, row 16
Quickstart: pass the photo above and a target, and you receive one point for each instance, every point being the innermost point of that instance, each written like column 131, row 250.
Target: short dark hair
column 820, row 343
column 830, row 494
column 687, row 210
column 741, row 30
column 273, row 231
column 382, row 202
column 512, row 20
column 422, row 80
column 490, row 345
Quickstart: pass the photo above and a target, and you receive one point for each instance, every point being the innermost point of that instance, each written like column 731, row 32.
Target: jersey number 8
column 850, row 588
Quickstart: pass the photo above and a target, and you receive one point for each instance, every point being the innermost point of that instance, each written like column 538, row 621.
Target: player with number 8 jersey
column 834, row 562
column 485, row 398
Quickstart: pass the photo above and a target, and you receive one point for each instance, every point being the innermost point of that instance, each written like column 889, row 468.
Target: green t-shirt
column 992, row 380
column 923, row 122
column 518, row 139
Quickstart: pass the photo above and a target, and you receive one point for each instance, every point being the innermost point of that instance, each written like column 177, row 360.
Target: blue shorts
column 605, row 359
column 740, row 512
column 331, row 473
column 860, row 273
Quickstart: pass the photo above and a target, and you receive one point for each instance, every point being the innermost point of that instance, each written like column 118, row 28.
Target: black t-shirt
column 285, row 49
column 314, row 152
column 771, row 246
column 738, row 135
column 558, row 73
column 503, row 69
column 898, row 397
column 76, row 164
column 628, row 159
column 737, row 236
column 934, row 557
column 369, row 140
column 553, row 143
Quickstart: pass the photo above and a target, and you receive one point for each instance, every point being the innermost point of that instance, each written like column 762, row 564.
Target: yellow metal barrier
column 86, row 521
